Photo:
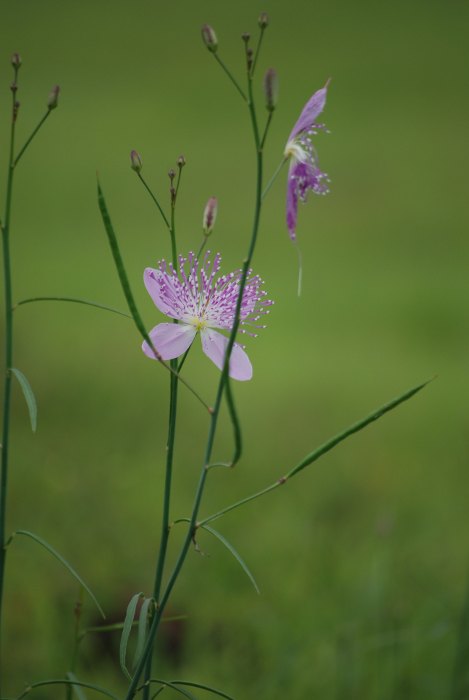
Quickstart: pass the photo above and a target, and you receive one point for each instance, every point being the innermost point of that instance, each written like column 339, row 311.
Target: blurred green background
column 362, row 560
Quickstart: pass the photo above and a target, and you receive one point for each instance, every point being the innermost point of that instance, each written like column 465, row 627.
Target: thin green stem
column 258, row 49
column 28, row 141
column 8, row 360
column 144, row 183
column 320, row 451
column 173, row 395
column 214, row 417
column 274, row 177
column 267, row 126
column 202, row 245
column 230, row 76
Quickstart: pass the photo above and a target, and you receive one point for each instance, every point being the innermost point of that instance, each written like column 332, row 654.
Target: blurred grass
column 362, row 562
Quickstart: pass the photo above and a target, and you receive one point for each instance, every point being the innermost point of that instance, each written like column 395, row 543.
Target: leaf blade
column 126, row 630
column 235, row 553
column 64, row 562
column 28, row 395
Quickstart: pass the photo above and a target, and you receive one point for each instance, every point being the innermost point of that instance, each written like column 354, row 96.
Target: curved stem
column 8, row 359
column 144, row 183
column 230, row 76
column 274, row 177
column 22, row 151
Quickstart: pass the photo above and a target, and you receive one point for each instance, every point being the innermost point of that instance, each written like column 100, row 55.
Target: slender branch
column 28, row 141
column 274, row 177
column 144, row 183
column 173, row 396
column 259, row 44
column 230, row 76
column 266, row 130
column 319, row 452
column 8, row 356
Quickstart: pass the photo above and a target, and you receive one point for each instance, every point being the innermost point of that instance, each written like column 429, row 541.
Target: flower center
column 199, row 322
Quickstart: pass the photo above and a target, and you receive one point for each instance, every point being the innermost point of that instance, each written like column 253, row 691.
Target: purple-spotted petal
column 170, row 339
column 310, row 113
column 292, row 203
column 155, row 282
column 214, row 346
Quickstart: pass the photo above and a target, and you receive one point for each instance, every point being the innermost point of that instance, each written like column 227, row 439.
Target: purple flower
column 201, row 301
column 304, row 173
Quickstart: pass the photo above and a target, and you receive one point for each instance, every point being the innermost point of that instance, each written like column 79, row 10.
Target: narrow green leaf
column 63, row 561
column 126, row 630
column 171, row 684
column 124, row 280
column 235, row 422
column 233, row 551
column 75, row 300
column 63, row 681
column 204, row 687
column 77, row 689
column 28, row 395
column 143, row 621
column 158, row 692
column 355, row 428
column 119, row 263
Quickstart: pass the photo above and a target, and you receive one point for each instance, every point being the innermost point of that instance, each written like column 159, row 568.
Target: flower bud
column 210, row 215
column 210, row 38
column 135, row 161
column 181, row 162
column 263, row 20
column 271, row 89
column 171, row 174
column 16, row 61
column 245, row 37
column 53, row 98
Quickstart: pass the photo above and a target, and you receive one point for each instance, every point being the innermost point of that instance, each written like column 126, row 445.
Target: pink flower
column 200, row 301
column 304, row 173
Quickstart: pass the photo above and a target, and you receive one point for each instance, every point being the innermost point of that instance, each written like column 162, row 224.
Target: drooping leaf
column 63, row 561
column 28, row 395
column 234, row 552
column 126, row 630
column 142, row 629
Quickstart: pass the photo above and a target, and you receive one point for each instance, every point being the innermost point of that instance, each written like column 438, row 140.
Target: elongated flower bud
column 53, row 98
column 210, row 38
column 16, row 60
column 263, row 20
column 271, row 89
column 135, row 161
column 210, row 215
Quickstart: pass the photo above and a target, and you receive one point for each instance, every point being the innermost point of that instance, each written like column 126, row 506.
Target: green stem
column 230, row 76
column 202, row 245
column 173, row 395
column 261, row 36
column 8, row 361
column 21, row 153
column 214, row 417
column 320, row 451
column 144, row 183
column 274, row 177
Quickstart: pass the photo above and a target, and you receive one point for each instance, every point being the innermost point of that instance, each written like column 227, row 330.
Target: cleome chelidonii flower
column 304, row 173
column 199, row 300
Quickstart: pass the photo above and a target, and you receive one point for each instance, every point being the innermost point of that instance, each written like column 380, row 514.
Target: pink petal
column 154, row 280
column 310, row 113
column 292, row 202
column 170, row 339
column 214, row 346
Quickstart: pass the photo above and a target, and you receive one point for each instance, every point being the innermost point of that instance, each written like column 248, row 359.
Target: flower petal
column 292, row 202
column 154, row 282
column 170, row 339
column 214, row 346
column 310, row 113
